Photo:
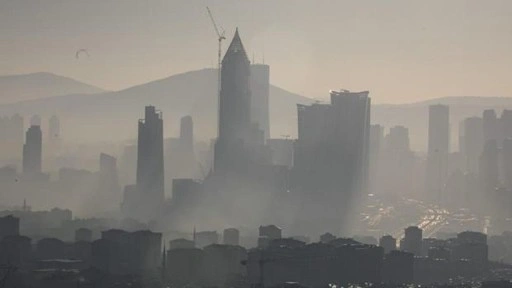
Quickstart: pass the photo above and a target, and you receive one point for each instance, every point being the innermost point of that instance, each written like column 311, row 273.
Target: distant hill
column 15, row 88
column 113, row 115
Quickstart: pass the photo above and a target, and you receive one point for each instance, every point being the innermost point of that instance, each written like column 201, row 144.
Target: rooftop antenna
column 220, row 38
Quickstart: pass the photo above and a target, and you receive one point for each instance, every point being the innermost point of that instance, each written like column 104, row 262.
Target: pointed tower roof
column 236, row 46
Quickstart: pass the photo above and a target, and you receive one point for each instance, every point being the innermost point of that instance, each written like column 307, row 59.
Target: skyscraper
column 438, row 149
column 507, row 163
column 53, row 129
column 108, row 177
column 488, row 167
column 260, row 89
column 474, row 142
column 331, row 157
column 398, row 139
column 238, row 136
column 187, row 160
column 150, row 163
column 438, row 129
column 32, row 151
column 187, row 131
column 490, row 125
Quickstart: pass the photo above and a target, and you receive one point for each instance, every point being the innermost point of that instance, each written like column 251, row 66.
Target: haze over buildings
column 245, row 184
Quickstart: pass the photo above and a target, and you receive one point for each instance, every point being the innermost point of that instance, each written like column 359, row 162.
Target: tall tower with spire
column 236, row 133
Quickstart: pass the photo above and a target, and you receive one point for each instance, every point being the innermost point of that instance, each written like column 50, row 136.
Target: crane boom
column 213, row 22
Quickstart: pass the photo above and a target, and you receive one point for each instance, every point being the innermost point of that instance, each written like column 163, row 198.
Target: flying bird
column 81, row 51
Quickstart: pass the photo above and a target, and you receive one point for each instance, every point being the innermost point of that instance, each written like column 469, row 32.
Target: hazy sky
column 402, row 51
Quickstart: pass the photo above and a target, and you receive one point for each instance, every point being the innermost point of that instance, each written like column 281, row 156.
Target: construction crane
column 220, row 38
column 219, row 63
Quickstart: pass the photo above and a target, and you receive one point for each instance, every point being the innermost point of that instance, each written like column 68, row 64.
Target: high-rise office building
column 331, row 157
column 473, row 142
column 187, row 159
column 439, row 129
column 398, row 139
column 490, row 125
column 488, row 168
column 506, row 152
column 231, row 236
column 438, row 150
column 32, row 151
column 376, row 139
column 282, row 151
column 239, row 139
column 150, row 164
column 506, row 124
column 109, row 187
column 260, row 89
column 187, row 131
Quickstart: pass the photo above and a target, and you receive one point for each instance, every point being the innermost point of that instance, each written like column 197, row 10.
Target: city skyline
column 234, row 182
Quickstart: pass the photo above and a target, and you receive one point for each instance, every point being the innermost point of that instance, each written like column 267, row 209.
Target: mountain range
column 90, row 114
column 15, row 88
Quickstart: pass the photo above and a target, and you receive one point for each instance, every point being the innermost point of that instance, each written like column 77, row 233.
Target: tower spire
column 236, row 47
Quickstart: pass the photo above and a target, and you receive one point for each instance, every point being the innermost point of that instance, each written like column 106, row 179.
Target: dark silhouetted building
column 490, row 125
column 146, row 202
column 51, row 248
column 471, row 246
column 231, row 236
column 331, row 160
column 16, row 250
column 109, row 190
column 9, row 226
column 119, row 251
column 267, row 234
column 181, row 161
column 181, row 244
column 398, row 267
column 32, row 151
column 398, row 139
column 488, row 168
column 376, row 146
column 83, row 234
column 387, row 242
column 281, row 151
column 439, row 129
column 239, row 138
column 314, row 265
column 205, row 238
column 185, row 266
column 412, row 241
column 506, row 152
column 260, row 89
column 473, row 142
column 150, row 161
column 185, row 192
column 438, row 150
